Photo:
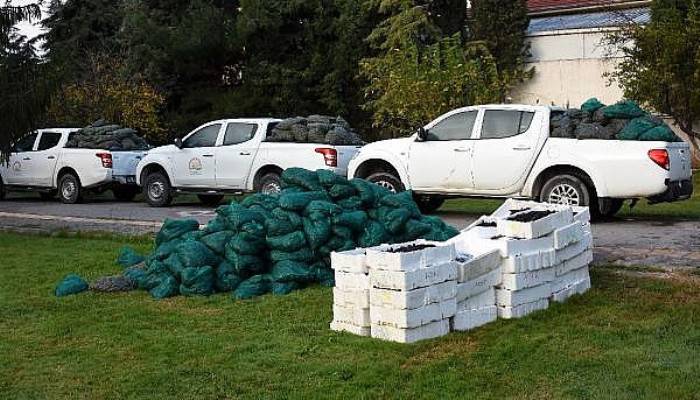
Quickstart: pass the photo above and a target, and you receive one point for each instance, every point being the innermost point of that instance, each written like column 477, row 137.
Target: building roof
column 589, row 20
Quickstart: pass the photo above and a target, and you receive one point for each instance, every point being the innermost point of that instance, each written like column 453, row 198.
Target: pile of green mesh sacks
column 624, row 120
column 103, row 135
column 277, row 244
column 315, row 129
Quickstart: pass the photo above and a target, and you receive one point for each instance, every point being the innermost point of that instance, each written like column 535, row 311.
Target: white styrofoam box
column 350, row 261
column 351, row 281
column 512, row 298
column 507, row 246
column 409, row 280
column 567, row 235
column 470, row 319
column 580, row 287
column 528, row 279
column 351, row 315
column 410, row 299
column 478, row 266
column 354, row 329
column 574, row 250
column 479, row 285
column 535, row 229
column 563, row 281
column 582, row 215
column 577, row 262
column 382, row 258
column 479, row 301
column 429, row 331
column 529, row 262
column 519, row 311
column 413, row 318
column 358, row 298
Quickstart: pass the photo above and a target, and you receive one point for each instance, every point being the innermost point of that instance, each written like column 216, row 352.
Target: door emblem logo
column 16, row 166
column 196, row 164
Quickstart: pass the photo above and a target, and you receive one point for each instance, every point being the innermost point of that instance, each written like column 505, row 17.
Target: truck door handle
column 207, row 155
column 51, row 157
column 26, row 159
column 244, row 153
column 522, row 148
column 462, row 150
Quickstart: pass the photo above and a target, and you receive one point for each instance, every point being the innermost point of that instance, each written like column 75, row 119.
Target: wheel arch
column 371, row 165
column 262, row 171
column 64, row 171
column 563, row 169
column 149, row 169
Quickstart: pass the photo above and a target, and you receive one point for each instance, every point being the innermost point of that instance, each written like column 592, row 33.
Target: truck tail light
column 330, row 156
column 106, row 159
column 660, row 157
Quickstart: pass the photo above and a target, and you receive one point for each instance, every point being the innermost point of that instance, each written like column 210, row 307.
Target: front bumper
column 675, row 191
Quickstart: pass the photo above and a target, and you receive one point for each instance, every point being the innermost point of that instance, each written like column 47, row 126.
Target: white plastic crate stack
column 351, row 293
column 413, row 290
column 477, row 278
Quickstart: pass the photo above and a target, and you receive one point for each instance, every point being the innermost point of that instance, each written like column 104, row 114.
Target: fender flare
column 161, row 162
column 381, row 156
column 534, row 179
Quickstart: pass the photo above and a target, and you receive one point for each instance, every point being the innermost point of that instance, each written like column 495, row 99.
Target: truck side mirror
column 178, row 143
column 422, row 134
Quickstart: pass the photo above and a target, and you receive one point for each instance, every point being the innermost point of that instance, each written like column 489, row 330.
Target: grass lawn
column 689, row 209
column 627, row 338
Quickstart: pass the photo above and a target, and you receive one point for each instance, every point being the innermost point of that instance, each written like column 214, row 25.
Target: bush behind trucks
column 40, row 162
column 231, row 156
column 506, row 151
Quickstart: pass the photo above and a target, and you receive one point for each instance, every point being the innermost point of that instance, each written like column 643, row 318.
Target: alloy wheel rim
column 271, row 188
column 156, row 189
column 386, row 184
column 564, row 194
column 68, row 189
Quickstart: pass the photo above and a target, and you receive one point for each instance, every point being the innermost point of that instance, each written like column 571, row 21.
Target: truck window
column 49, row 140
column 205, row 137
column 237, row 132
column 455, row 127
column 26, row 143
column 499, row 124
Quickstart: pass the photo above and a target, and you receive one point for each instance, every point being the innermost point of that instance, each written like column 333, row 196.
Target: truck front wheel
column 270, row 183
column 387, row 180
column 566, row 190
column 428, row 204
column 157, row 190
column 69, row 189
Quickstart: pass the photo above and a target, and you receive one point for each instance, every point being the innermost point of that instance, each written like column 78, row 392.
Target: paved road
column 672, row 244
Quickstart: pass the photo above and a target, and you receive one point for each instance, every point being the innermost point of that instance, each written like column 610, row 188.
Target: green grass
column 689, row 209
column 627, row 338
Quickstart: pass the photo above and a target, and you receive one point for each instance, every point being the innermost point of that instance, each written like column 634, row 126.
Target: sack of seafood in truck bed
column 103, row 135
column 315, row 129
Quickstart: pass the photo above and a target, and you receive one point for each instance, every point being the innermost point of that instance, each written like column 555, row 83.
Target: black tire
column 157, row 189
column 387, row 180
column 607, row 208
column 125, row 192
column 2, row 190
column 270, row 183
column 48, row 196
column 428, row 204
column 568, row 189
column 69, row 189
column 210, row 199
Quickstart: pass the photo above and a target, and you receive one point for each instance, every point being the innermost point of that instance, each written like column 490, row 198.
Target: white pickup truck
column 507, row 151
column 231, row 156
column 40, row 162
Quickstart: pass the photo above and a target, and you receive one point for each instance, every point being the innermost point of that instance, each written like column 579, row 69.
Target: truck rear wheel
column 270, row 183
column 69, row 189
column 609, row 207
column 210, row 199
column 566, row 190
column 157, row 190
column 428, row 204
column 125, row 193
column 387, row 180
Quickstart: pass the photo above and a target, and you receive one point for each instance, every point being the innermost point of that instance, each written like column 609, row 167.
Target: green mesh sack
column 329, row 178
column 395, row 221
column 661, row 133
column 302, row 178
column 174, row 228
column 365, row 191
column 253, row 230
column 164, row 250
column 196, row 254
column 217, row 241
column 402, row 200
column 137, row 275
column 197, row 281
column 226, row 278
column 317, row 231
column 216, row 224
column 235, row 215
column 156, row 267
column 167, row 287
column 635, row 128
column 440, row 230
column 342, row 232
column 354, row 220
column 302, row 255
column 174, row 265
column 416, row 228
column 299, row 201
column 291, row 271
column 243, row 246
column 625, row 109
column 129, row 257
column 283, row 288
column 245, row 264
column 323, row 207
column 282, row 222
column 592, row 105
column 323, row 275
column 374, row 234
column 265, row 201
column 289, row 242
column 351, row 203
column 192, row 236
column 255, row 286
column 341, row 191
column 71, row 284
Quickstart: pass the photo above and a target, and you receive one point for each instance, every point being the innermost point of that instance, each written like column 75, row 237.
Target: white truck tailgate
column 345, row 154
column 680, row 161
column 124, row 162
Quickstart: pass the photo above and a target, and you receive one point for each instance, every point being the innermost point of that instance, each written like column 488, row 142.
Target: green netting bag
column 250, row 247
column 246, row 265
column 289, row 242
column 440, row 230
column 164, row 250
column 299, row 201
column 302, row 178
column 192, row 236
column 365, row 191
column 342, row 232
column 403, row 200
column 323, row 207
column 282, row 222
column 323, row 275
column 283, row 288
column 253, row 230
column 197, row 281
column 351, row 203
column 174, row 228
column 635, row 128
column 317, row 231
column 592, row 105
column 341, row 191
column 167, row 287
column 374, row 234
column 71, row 284
column 226, row 277
column 265, row 201
column 194, row 254
column 302, row 255
column 255, row 286
column 415, row 228
column 395, row 220
column 236, row 216
column 174, row 265
column 291, row 271
column 129, row 257
column 217, row 241
column 156, row 267
column 136, row 274
column 354, row 220
column 328, row 178
column 661, row 133
column 625, row 109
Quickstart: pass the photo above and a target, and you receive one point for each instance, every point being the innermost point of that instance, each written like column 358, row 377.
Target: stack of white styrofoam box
column 477, row 278
column 412, row 294
column 351, row 292
column 573, row 258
